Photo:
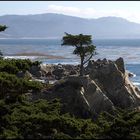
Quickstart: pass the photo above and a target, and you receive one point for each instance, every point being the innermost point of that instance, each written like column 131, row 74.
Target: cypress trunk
column 81, row 66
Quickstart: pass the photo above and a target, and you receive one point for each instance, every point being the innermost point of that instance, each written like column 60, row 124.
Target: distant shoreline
column 36, row 55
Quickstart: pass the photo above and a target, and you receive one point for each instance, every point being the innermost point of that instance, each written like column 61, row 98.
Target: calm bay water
column 129, row 49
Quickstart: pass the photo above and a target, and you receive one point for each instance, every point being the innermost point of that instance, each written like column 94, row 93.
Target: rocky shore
column 105, row 87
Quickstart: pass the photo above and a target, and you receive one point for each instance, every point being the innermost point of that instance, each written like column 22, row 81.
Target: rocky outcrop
column 114, row 81
column 59, row 72
column 49, row 73
column 104, row 87
column 25, row 74
column 81, row 96
column 36, row 71
column 56, row 71
column 92, row 94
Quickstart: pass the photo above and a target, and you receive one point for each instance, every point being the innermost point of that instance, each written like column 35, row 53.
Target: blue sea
column 112, row 49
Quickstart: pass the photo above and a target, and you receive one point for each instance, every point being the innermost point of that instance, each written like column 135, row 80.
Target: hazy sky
column 86, row 9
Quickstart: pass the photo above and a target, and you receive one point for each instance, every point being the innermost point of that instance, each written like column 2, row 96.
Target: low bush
column 10, row 85
column 13, row 66
column 43, row 120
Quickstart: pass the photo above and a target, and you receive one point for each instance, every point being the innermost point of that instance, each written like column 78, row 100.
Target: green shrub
column 12, row 86
column 43, row 120
column 12, row 66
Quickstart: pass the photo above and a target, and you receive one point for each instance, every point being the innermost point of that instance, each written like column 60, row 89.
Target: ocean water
column 112, row 49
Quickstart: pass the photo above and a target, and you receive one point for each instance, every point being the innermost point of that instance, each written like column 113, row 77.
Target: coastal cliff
column 105, row 87
column 53, row 101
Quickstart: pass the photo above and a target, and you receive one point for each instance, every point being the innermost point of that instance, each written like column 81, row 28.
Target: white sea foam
column 63, row 63
column 136, row 83
column 132, row 74
column 21, row 57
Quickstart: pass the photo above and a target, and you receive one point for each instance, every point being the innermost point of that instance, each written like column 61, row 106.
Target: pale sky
column 86, row 9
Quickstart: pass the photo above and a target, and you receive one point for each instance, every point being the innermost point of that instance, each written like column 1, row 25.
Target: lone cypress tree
column 84, row 47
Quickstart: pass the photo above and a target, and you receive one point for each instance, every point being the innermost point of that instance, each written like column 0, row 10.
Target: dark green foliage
column 13, row 66
column 43, row 120
column 84, row 47
column 126, row 124
column 11, row 86
column 3, row 27
column 76, row 40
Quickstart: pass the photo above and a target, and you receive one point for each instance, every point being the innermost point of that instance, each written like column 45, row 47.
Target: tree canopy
column 3, row 27
column 84, row 47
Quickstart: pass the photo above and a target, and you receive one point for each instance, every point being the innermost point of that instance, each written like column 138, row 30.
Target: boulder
column 38, row 71
column 58, row 72
column 34, row 69
column 38, row 74
column 28, row 75
column 73, row 72
column 50, row 76
column 25, row 74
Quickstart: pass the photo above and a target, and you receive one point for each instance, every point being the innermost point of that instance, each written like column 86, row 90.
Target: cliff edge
column 105, row 87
